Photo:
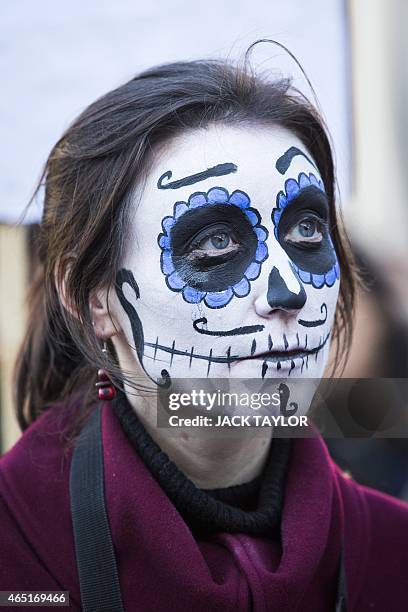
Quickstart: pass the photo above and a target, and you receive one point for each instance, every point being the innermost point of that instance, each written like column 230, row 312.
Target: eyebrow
column 220, row 170
column 283, row 163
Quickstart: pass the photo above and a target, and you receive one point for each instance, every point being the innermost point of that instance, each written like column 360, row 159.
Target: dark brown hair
column 89, row 177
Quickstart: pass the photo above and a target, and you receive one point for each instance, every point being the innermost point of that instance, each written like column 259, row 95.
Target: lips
column 289, row 354
column 286, row 355
column 279, row 355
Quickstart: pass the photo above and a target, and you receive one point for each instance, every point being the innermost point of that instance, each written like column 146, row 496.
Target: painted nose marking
column 279, row 296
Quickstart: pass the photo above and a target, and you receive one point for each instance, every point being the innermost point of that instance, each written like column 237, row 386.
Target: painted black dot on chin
column 166, row 379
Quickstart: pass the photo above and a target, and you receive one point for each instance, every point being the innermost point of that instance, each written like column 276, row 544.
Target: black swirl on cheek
column 126, row 277
column 323, row 308
column 237, row 331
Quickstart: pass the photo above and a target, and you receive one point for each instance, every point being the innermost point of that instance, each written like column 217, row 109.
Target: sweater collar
column 253, row 508
column 149, row 531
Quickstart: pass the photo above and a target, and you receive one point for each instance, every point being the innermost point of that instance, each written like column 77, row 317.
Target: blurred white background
column 57, row 57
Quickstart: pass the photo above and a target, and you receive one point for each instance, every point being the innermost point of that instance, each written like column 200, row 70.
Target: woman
column 189, row 232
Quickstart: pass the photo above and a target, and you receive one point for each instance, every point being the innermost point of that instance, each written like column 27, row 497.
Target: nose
column 285, row 291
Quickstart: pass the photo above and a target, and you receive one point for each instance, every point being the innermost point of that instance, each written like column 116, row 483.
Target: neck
column 211, row 458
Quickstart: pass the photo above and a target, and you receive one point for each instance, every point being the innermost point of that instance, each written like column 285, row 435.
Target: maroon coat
column 163, row 567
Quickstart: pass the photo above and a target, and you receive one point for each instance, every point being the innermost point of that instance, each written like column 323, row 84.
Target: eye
column 308, row 230
column 213, row 242
column 218, row 240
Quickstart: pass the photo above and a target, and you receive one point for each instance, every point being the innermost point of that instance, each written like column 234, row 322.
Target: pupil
column 307, row 229
column 220, row 241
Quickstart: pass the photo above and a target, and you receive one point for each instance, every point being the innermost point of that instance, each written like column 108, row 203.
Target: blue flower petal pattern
column 217, row 195
column 218, row 299
column 197, row 200
column 175, row 282
column 180, row 209
column 242, row 288
column 212, row 299
column 167, row 265
column 240, row 199
column 253, row 270
column 292, row 189
column 193, row 296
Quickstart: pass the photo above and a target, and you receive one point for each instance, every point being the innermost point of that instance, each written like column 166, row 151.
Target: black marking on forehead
column 237, row 331
column 219, row 170
column 284, row 161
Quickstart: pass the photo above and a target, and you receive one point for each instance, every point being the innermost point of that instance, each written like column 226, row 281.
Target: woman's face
column 230, row 270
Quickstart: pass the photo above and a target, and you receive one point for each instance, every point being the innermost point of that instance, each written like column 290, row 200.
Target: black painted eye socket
column 213, row 246
column 308, row 212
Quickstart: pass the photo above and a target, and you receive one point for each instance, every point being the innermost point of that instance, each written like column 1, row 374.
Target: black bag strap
column 95, row 556
column 341, row 599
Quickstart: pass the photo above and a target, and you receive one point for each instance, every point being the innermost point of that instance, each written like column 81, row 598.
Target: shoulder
column 36, row 536
column 387, row 524
column 384, row 512
column 375, row 544
column 33, row 473
column 39, row 449
column 36, row 468
column 47, row 441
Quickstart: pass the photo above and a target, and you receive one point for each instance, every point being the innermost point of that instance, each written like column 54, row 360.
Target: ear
column 105, row 324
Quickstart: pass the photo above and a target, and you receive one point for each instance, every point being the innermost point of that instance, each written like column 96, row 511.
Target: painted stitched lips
column 266, row 353
column 212, row 279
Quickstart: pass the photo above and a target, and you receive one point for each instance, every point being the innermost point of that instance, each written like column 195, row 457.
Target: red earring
column 106, row 390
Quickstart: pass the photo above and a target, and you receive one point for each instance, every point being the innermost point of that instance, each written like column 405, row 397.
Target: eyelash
column 194, row 247
column 203, row 235
column 322, row 228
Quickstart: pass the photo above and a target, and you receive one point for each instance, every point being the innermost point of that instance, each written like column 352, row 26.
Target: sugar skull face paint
column 301, row 227
column 212, row 247
column 231, row 270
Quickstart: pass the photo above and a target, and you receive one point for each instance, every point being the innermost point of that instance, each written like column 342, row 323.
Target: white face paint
column 235, row 274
